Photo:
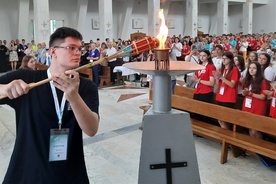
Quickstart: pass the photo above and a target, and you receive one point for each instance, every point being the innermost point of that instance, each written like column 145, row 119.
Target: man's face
column 69, row 56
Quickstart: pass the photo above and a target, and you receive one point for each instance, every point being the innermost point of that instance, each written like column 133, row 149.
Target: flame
column 163, row 31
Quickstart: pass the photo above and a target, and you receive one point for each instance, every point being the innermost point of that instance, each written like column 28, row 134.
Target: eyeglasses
column 72, row 49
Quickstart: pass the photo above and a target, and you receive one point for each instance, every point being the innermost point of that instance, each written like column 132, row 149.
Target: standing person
column 239, row 62
column 28, row 62
column 50, row 118
column 228, row 77
column 268, row 72
column 13, row 56
column 94, row 55
column 243, row 47
column 3, row 61
column 272, row 93
column 253, row 91
column 204, row 79
column 177, row 49
column 111, row 63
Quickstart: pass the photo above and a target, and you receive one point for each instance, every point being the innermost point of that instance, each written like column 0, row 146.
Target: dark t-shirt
column 35, row 116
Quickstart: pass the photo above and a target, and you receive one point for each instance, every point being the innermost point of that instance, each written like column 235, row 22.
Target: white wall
column 263, row 17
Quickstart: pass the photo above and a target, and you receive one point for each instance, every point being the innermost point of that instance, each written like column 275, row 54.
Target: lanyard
column 59, row 109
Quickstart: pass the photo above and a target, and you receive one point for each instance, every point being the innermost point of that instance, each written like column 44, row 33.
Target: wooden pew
column 105, row 77
column 229, row 137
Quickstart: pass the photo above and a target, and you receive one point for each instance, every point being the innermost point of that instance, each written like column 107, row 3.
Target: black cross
column 168, row 166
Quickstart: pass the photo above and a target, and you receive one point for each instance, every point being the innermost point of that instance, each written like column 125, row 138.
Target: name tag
column 58, row 144
column 221, row 90
column 248, row 102
column 273, row 102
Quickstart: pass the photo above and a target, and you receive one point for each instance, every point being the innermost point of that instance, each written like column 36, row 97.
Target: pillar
column 222, row 17
column 81, row 15
column 106, row 21
column 191, row 18
column 153, row 20
column 247, row 17
column 41, row 21
column 23, row 19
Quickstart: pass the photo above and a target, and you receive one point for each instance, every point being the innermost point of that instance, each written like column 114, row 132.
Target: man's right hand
column 14, row 89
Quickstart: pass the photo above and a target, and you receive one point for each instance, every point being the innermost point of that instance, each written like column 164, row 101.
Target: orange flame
column 163, row 31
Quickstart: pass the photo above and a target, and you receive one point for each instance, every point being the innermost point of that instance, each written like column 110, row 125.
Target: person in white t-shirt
column 177, row 48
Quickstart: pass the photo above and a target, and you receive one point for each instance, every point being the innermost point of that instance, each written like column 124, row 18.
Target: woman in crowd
column 13, row 56
column 239, row 62
column 272, row 93
column 252, row 56
column 264, row 59
column 204, row 79
column 28, row 62
column 228, row 79
column 253, row 91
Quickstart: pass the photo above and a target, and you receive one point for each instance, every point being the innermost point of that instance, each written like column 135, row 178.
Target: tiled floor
column 112, row 156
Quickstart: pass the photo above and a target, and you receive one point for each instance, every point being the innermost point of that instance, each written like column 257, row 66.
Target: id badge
column 58, row 144
column 248, row 102
column 221, row 90
column 273, row 102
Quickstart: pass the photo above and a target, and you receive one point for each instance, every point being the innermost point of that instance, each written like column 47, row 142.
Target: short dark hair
column 61, row 33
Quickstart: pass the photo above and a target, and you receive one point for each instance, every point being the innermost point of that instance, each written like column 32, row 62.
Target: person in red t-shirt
column 272, row 93
column 186, row 49
column 204, row 78
column 228, row 77
column 205, row 82
column 253, row 90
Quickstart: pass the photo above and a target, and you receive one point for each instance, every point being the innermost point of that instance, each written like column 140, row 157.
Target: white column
column 81, row 15
column 153, row 20
column 191, row 18
column 126, row 19
column 42, row 21
column 106, row 21
column 23, row 19
column 222, row 16
column 247, row 17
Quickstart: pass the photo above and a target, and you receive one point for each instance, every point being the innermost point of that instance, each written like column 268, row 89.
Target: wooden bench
column 229, row 137
column 105, row 77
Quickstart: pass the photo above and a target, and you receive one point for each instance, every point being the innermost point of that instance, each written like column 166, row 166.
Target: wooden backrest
column 106, row 71
column 234, row 116
column 184, row 91
column 40, row 66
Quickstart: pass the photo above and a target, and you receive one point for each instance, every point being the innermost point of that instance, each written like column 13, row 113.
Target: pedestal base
column 168, row 151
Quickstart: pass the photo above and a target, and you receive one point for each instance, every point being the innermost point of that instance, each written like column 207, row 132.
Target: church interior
column 113, row 155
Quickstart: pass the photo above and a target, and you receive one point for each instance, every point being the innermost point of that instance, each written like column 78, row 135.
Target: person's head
column 92, row 46
column 109, row 44
column 227, row 62
column 29, row 46
column 98, row 44
column 23, row 41
column 252, row 56
column 219, row 50
column 28, row 62
column 264, row 60
column 254, row 69
column 213, row 54
column 107, row 40
column 5, row 42
column 17, row 42
column 205, row 56
column 65, row 48
column 239, row 62
column 12, row 42
column 103, row 45
column 33, row 42
column 1, row 42
column 39, row 46
column 43, row 45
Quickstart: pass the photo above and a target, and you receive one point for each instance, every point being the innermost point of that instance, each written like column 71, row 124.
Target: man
column 3, row 59
column 51, row 117
column 41, row 54
column 111, row 63
column 94, row 55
